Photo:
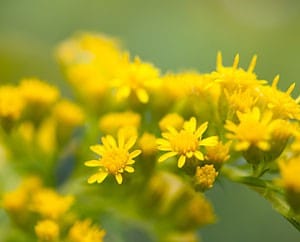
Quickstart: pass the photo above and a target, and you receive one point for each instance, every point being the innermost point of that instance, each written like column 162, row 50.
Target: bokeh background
column 175, row 35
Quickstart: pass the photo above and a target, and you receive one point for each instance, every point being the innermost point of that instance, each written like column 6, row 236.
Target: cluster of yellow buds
column 166, row 137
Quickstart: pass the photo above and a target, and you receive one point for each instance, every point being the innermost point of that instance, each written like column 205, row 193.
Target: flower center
column 115, row 160
column 184, row 142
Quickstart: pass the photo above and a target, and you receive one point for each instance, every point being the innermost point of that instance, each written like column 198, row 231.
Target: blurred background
column 174, row 35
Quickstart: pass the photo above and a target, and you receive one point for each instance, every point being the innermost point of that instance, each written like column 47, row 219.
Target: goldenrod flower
column 47, row 231
column 136, row 78
column 147, row 143
column 173, row 120
column 37, row 92
column 253, row 130
column 68, row 113
column 50, row 204
column 234, row 78
column 205, row 176
column 218, row 154
column 280, row 103
column 290, row 180
column 11, row 102
column 84, row 231
column 110, row 123
column 114, row 157
column 185, row 142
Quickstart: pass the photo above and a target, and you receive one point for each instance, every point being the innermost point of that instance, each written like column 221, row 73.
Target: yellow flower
column 17, row 201
column 280, row 103
column 253, row 130
column 90, row 61
column 234, row 78
column 50, row 204
column 218, row 154
column 185, row 142
column 290, row 171
column 47, row 231
column 112, row 122
column 37, row 92
column 11, row 102
column 147, row 143
column 84, row 231
column 114, row 157
column 290, row 180
column 136, row 78
column 68, row 113
column 205, row 176
column 173, row 120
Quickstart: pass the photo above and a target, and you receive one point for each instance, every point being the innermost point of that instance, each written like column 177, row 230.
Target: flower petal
column 99, row 177
column 98, row 149
column 181, row 161
column 93, row 163
column 167, row 156
column 135, row 153
column 119, row 178
column 210, row 141
column 129, row 169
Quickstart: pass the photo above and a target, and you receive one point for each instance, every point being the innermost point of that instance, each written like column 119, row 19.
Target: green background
column 175, row 35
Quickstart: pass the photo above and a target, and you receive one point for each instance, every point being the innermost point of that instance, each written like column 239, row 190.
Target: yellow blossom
column 218, row 154
column 280, row 103
column 136, row 78
column 49, row 204
column 147, row 143
column 37, row 92
column 172, row 120
column 234, row 78
column 84, row 231
column 114, row 157
column 68, row 113
column 16, row 201
column 112, row 122
column 205, row 176
column 11, row 102
column 253, row 130
column 290, row 180
column 47, row 231
column 290, row 171
column 185, row 142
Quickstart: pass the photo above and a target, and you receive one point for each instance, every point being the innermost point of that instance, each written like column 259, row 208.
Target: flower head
column 84, row 231
column 280, row 103
column 172, row 119
column 47, row 231
column 205, row 176
column 115, row 157
column 136, row 78
column 185, row 142
column 234, row 78
column 50, row 204
column 253, row 130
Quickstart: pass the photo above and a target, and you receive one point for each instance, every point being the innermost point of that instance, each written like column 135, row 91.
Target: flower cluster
column 157, row 142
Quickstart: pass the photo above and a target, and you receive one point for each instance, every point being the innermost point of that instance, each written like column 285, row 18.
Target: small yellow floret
column 114, row 157
column 11, row 102
column 185, row 142
column 205, row 176
column 254, row 129
column 110, row 123
column 171, row 120
column 290, row 171
column 47, row 231
column 84, row 231
column 147, row 143
column 50, row 204
column 136, row 78
column 68, row 113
